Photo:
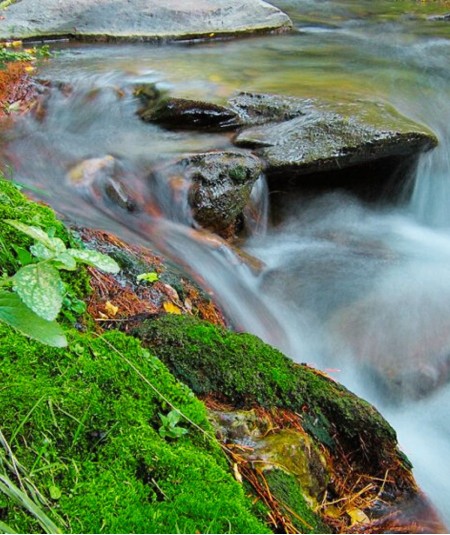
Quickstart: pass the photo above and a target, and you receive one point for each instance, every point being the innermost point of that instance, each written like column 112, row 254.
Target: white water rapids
column 363, row 291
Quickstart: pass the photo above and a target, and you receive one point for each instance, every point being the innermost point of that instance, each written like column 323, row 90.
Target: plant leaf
column 152, row 276
column 96, row 259
column 40, row 288
column 42, row 252
column 65, row 261
column 17, row 315
column 58, row 245
column 34, row 232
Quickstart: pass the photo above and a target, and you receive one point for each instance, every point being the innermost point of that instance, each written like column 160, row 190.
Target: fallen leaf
column 357, row 516
column 111, row 309
column 236, row 473
column 170, row 308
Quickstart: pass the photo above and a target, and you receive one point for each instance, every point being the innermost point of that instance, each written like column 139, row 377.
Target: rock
column 100, row 178
column 290, row 430
column 440, row 18
column 140, row 19
column 180, row 113
column 406, row 356
column 218, row 186
column 137, row 296
column 299, row 137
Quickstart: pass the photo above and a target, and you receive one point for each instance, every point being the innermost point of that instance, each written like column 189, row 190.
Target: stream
column 361, row 291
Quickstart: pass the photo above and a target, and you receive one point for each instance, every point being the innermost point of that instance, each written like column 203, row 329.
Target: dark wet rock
column 140, row 19
column 180, row 113
column 440, row 18
column 218, row 186
column 307, row 136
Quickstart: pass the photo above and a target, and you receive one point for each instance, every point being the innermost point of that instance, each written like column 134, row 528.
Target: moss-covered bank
column 87, row 423
column 117, row 444
column 84, row 421
column 246, row 371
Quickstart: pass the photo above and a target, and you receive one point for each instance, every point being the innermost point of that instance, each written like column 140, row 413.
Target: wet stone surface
column 140, row 19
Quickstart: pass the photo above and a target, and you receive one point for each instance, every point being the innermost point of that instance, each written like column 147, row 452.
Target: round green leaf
column 19, row 316
column 40, row 288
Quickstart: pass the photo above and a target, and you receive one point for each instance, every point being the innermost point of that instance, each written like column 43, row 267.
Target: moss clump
column 285, row 489
column 84, row 421
column 247, row 371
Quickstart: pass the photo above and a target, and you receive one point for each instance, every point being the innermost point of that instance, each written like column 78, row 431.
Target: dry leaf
column 236, row 473
column 357, row 516
column 170, row 308
column 111, row 309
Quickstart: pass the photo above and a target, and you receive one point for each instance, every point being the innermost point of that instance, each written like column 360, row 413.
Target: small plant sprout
column 170, row 427
column 152, row 276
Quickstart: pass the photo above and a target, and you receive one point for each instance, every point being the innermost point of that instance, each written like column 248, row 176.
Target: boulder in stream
column 218, row 186
column 299, row 138
column 140, row 19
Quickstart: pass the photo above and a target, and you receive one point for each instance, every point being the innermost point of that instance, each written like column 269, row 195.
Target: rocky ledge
column 140, row 19
column 306, row 143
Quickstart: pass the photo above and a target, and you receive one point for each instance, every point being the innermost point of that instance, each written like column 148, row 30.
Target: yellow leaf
column 236, row 473
column 170, row 308
column 357, row 516
column 111, row 309
column 16, row 44
column 29, row 68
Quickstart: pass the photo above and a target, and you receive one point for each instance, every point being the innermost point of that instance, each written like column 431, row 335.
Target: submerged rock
column 140, row 19
column 102, row 179
column 218, row 186
column 299, row 137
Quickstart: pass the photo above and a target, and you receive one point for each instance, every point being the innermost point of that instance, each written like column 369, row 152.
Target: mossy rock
column 85, row 423
column 245, row 371
column 285, row 489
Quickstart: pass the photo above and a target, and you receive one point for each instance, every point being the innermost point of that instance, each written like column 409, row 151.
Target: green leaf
column 23, row 255
column 17, row 315
column 96, row 259
column 40, row 251
column 57, row 245
column 152, row 276
column 40, row 288
column 65, row 261
column 34, row 232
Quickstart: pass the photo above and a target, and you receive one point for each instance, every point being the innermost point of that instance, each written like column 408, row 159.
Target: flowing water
column 362, row 291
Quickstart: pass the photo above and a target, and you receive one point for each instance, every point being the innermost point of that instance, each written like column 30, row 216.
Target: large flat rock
column 304, row 136
column 139, row 19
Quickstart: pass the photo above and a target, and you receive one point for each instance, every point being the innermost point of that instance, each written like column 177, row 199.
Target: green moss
column 83, row 420
column 238, row 173
column 286, row 490
column 247, row 371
